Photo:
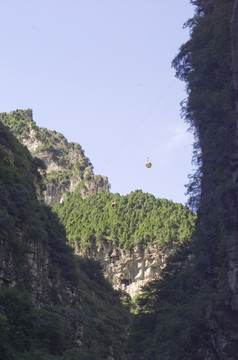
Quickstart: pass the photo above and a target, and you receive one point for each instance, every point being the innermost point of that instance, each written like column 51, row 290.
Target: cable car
column 148, row 163
column 114, row 204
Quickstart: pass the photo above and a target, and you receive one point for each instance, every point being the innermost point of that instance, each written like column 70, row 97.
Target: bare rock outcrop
column 66, row 166
column 128, row 270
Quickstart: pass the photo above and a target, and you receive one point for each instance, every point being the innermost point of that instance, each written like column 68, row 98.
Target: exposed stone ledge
column 128, row 270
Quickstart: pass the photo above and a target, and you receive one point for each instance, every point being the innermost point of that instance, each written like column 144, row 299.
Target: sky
column 99, row 72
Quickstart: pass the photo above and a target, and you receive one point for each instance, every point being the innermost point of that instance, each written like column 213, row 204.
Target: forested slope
column 138, row 218
column 131, row 236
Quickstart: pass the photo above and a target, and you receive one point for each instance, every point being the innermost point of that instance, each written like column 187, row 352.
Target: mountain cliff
column 40, row 273
column 52, row 304
column 191, row 311
column 65, row 163
column 110, row 233
column 132, row 240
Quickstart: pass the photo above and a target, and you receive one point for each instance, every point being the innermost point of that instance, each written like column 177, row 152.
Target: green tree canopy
column 138, row 218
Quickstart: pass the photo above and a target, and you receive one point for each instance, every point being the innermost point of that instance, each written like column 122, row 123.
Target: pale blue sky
column 99, row 72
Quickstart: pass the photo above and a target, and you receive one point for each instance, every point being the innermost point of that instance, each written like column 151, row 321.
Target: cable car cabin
column 114, row 204
column 148, row 164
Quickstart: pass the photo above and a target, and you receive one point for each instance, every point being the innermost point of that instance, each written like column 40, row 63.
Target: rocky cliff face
column 66, row 165
column 36, row 261
column 129, row 270
column 67, row 169
column 45, row 288
column 36, row 266
column 27, row 233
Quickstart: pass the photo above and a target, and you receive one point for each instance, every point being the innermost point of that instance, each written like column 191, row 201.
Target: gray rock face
column 67, row 169
column 36, row 265
column 66, row 165
column 129, row 270
column 36, row 259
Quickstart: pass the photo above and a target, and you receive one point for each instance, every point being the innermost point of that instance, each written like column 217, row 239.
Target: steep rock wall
column 67, row 168
column 129, row 270
column 36, row 261
column 224, row 326
column 36, row 266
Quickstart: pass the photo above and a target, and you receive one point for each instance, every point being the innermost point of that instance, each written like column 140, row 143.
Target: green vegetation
column 51, row 145
column 173, row 314
column 180, row 317
column 28, row 332
column 67, row 310
column 49, row 333
column 21, row 124
column 18, row 121
column 204, row 63
column 139, row 218
column 60, row 177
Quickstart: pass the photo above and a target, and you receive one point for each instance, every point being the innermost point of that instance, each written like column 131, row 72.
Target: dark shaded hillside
column 191, row 313
column 52, row 304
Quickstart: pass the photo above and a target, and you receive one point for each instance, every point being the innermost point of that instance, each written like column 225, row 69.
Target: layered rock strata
column 129, row 270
